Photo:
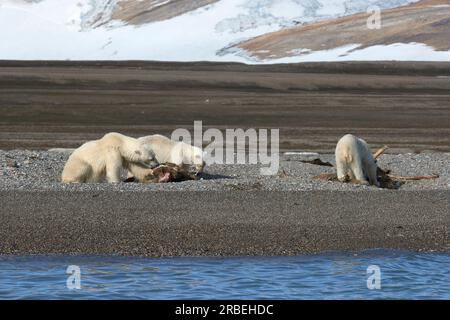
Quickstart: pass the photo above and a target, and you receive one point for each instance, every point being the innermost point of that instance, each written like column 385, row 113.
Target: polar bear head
column 185, row 154
column 145, row 156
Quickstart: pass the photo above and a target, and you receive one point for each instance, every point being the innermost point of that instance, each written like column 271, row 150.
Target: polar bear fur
column 106, row 158
column 169, row 151
column 354, row 160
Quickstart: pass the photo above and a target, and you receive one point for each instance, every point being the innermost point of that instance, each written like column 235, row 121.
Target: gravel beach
column 233, row 210
column 41, row 170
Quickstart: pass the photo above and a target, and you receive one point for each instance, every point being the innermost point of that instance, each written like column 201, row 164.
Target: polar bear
column 106, row 157
column 169, row 151
column 354, row 160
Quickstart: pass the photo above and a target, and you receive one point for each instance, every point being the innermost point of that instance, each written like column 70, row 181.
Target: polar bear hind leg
column 76, row 171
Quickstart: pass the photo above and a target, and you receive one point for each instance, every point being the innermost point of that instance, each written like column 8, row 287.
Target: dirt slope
column 425, row 22
column 139, row 12
column 402, row 104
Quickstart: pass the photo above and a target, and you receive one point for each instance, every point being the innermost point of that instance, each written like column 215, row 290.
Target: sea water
column 376, row 274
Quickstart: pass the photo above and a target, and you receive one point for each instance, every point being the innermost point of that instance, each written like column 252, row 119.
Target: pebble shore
column 41, row 170
column 243, row 212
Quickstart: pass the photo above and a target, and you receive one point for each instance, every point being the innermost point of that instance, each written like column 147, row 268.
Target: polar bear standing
column 170, row 151
column 106, row 157
column 354, row 160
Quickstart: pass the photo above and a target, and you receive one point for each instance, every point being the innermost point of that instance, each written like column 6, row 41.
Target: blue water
column 404, row 275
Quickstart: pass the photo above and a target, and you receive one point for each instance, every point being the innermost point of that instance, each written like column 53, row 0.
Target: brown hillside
column 422, row 22
column 139, row 12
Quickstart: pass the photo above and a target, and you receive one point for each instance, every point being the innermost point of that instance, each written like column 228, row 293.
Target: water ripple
column 404, row 275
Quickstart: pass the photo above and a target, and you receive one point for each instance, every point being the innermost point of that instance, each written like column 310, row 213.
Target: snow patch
column 392, row 52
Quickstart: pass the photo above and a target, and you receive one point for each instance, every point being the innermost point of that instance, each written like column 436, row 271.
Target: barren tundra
column 62, row 104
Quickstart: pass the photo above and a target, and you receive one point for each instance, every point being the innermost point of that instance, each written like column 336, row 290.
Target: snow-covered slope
column 415, row 32
column 170, row 30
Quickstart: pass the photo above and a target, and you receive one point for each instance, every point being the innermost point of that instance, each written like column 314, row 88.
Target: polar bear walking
column 169, row 151
column 354, row 160
column 106, row 157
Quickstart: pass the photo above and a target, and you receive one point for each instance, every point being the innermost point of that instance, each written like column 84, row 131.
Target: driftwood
column 386, row 179
column 413, row 178
column 326, row 177
column 379, row 152
column 317, row 162
column 168, row 172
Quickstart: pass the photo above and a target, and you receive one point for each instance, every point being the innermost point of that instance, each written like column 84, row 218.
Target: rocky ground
column 41, row 170
column 243, row 213
column 405, row 105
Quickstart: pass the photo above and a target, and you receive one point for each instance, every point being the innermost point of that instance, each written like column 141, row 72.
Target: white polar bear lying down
column 354, row 160
column 106, row 157
column 170, row 151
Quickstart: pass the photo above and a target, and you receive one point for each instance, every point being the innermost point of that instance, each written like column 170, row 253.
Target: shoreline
column 233, row 211
column 158, row 224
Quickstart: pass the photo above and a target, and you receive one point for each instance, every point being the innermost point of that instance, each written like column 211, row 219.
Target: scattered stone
column 12, row 163
column 301, row 156
column 293, row 175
